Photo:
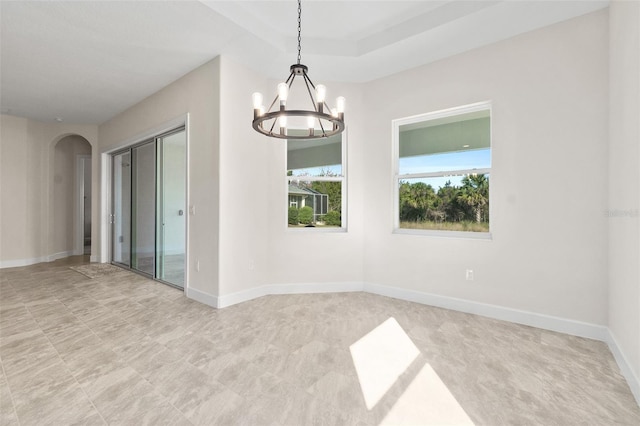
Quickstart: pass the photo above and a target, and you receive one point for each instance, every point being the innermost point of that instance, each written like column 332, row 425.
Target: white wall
column 316, row 256
column 244, row 196
column 548, row 253
column 197, row 94
column 19, row 191
column 257, row 250
column 27, row 152
column 624, row 184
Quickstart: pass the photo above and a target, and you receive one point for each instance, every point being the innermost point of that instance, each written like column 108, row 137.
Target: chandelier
column 319, row 122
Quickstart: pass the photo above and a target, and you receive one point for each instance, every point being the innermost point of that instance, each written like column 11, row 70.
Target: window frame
column 397, row 177
column 343, row 191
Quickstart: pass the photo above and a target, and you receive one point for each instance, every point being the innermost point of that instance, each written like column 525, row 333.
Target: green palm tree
column 475, row 193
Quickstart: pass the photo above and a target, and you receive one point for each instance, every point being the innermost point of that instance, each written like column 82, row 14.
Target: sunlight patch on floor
column 426, row 401
column 380, row 357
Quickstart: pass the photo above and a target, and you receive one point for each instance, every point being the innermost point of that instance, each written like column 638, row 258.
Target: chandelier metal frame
column 321, row 111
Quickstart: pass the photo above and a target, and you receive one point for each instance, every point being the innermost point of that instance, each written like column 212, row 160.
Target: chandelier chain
column 299, row 29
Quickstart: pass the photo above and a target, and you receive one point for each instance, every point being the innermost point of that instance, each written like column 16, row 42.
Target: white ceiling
column 86, row 61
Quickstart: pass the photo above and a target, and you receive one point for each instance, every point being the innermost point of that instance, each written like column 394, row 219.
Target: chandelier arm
column 273, row 125
column 322, row 127
column 307, row 80
column 272, row 103
column 290, row 79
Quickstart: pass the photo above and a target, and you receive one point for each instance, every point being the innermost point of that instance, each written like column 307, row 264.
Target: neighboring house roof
column 296, row 190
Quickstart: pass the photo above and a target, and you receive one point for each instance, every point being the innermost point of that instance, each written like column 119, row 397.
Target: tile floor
column 122, row 349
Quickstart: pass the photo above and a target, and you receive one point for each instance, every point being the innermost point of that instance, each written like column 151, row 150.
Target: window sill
column 318, row 230
column 483, row 236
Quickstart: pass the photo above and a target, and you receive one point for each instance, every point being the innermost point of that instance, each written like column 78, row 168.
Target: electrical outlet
column 469, row 275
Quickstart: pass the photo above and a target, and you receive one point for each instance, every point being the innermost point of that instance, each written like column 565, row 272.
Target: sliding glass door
column 143, row 223
column 149, row 203
column 121, row 216
column 170, row 248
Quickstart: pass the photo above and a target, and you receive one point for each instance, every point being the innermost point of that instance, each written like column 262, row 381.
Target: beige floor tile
column 8, row 414
column 66, row 404
column 125, row 350
column 187, row 388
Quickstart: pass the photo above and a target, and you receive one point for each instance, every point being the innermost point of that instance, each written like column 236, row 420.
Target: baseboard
column 307, row 288
column 298, row 288
column 546, row 322
column 94, row 259
column 625, row 367
column 16, row 263
column 241, row 296
column 59, row 255
column 201, row 296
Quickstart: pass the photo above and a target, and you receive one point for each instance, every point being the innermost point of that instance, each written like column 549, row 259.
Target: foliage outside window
column 315, row 183
column 443, row 164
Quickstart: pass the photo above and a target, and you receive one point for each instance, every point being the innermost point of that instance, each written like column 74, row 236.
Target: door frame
column 79, row 216
column 106, row 197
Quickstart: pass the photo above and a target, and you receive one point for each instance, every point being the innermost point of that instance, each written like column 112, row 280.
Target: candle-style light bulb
column 311, row 125
column 257, row 100
column 340, row 103
column 283, row 94
column 282, row 121
column 321, row 93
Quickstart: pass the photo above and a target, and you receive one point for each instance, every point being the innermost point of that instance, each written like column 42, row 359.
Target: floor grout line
column 120, row 358
column 13, row 403
column 67, row 366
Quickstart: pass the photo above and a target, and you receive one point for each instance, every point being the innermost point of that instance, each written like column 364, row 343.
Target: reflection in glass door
column 121, row 218
column 143, row 225
column 170, row 254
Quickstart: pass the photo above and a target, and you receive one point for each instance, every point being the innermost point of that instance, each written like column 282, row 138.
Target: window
column 442, row 167
column 316, row 183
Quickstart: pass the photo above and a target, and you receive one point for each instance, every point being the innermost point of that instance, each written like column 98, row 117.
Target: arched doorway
column 71, row 192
